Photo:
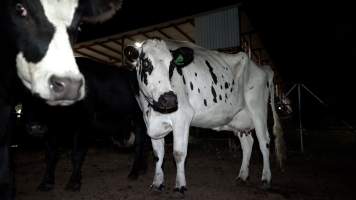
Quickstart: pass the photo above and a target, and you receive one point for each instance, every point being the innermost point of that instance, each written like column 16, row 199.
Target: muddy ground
column 319, row 173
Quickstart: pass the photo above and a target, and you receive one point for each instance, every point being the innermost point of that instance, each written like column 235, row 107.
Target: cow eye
column 21, row 10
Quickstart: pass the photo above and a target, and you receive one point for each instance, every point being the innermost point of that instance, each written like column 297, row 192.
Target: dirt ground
column 211, row 169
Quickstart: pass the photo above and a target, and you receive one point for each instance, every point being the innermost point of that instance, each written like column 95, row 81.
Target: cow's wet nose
column 168, row 101
column 65, row 88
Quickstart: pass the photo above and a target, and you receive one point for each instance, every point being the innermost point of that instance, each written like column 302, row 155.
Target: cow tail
column 278, row 133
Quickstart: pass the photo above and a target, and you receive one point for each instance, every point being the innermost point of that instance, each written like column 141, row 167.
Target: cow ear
column 132, row 54
column 182, row 56
column 97, row 11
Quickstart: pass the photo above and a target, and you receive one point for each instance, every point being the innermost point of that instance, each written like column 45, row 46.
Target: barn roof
column 108, row 49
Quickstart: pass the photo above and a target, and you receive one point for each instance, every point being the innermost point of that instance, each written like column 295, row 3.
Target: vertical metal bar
column 300, row 119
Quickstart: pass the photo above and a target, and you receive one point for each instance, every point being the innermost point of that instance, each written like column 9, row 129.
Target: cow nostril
column 168, row 99
column 57, row 84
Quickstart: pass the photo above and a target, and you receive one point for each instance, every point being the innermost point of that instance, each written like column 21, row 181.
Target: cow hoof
column 73, row 186
column 241, row 181
column 45, row 187
column 159, row 188
column 265, row 185
column 180, row 190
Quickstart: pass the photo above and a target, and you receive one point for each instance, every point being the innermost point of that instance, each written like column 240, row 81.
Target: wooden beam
column 101, row 53
column 78, row 51
column 106, row 46
column 183, row 33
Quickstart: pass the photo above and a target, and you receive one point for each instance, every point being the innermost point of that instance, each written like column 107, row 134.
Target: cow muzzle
column 65, row 88
column 167, row 103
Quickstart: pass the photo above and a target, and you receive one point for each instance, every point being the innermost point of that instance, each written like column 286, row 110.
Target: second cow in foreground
column 183, row 85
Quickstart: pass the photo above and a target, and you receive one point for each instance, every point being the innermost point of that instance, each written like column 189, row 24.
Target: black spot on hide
column 226, row 85
column 213, row 76
column 214, row 94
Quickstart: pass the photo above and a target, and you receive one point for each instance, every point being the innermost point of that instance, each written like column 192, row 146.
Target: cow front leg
column 7, row 185
column 48, row 179
column 158, row 150
column 246, row 141
column 79, row 152
column 180, row 147
column 140, row 155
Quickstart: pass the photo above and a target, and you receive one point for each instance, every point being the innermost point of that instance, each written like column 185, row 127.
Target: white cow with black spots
column 183, row 85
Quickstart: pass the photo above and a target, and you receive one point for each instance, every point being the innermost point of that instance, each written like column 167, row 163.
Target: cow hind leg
column 246, row 141
column 257, row 101
column 264, row 142
column 158, row 150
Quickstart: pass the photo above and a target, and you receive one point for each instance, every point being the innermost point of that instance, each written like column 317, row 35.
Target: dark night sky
column 312, row 43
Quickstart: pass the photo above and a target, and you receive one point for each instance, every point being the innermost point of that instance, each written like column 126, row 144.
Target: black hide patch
column 145, row 68
column 226, row 85
column 191, row 86
column 32, row 32
column 214, row 94
column 181, row 57
column 205, row 102
column 213, row 76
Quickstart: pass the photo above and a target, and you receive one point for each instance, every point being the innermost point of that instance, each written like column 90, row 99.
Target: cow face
column 152, row 60
column 42, row 32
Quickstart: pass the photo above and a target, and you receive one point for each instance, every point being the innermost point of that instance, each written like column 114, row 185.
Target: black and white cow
column 36, row 53
column 183, row 85
column 109, row 109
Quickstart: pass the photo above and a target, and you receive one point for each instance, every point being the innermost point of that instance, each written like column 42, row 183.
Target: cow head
column 154, row 63
column 40, row 31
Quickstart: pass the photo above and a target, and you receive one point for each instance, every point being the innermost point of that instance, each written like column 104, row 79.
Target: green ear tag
column 179, row 60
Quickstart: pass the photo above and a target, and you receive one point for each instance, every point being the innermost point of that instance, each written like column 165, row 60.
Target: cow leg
column 246, row 141
column 140, row 161
column 158, row 150
column 180, row 147
column 7, row 185
column 263, row 140
column 79, row 152
column 48, row 179
column 258, row 108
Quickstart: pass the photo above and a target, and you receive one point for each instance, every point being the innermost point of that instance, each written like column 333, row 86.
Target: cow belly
column 215, row 116
column 240, row 121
